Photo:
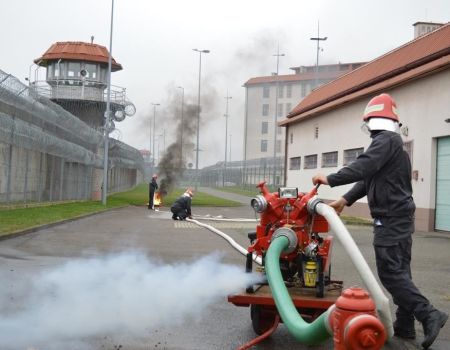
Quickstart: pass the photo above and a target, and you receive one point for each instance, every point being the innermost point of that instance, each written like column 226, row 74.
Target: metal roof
column 79, row 51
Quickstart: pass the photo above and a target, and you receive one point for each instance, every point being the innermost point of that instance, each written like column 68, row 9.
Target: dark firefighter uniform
column 383, row 173
column 181, row 208
column 152, row 187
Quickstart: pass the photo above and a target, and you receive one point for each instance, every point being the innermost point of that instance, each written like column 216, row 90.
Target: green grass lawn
column 19, row 219
column 249, row 192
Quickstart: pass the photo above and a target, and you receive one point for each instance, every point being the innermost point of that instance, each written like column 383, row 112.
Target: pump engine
column 285, row 213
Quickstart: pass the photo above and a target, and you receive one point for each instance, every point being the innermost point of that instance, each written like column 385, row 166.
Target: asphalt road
column 219, row 326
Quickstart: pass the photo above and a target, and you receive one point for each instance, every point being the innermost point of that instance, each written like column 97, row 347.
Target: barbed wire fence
column 48, row 154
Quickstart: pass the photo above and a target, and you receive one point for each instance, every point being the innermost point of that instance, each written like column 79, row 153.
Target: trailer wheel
column 262, row 318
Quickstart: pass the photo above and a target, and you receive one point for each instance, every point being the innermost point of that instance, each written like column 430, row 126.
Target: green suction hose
column 306, row 333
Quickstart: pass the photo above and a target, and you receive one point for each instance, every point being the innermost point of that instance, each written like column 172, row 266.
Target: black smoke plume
column 173, row 163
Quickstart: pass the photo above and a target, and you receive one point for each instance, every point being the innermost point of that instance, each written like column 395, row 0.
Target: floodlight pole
column 107, row 113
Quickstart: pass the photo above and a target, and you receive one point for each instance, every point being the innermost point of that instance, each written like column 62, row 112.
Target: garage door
column 443, row 185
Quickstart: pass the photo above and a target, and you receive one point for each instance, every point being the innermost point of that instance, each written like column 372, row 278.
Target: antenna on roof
column 92, row 39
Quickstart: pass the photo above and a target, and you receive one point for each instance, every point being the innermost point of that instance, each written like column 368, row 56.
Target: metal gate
column 443, row 184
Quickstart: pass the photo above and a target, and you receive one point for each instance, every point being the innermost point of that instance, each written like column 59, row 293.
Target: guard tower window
column 74, row 69
column 91, row 70
column 50, row 72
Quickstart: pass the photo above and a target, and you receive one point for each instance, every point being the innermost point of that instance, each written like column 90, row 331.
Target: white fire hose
column 257, row 259
column 355, row 255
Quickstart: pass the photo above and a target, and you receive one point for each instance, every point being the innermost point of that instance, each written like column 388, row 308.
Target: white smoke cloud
column 126, row 293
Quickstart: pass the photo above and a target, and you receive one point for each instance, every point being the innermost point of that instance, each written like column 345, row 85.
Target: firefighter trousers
column 394, row 270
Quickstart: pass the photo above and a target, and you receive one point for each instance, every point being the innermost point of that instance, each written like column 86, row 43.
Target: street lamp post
column 198, row 113
column 107, row 113
column 153, row 133
column 275, row 126
column 226, row 139
column 182, row 125
column 318, row 38
column 164, row 141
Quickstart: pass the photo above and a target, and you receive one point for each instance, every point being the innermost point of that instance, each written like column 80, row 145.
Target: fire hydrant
column 354, row 322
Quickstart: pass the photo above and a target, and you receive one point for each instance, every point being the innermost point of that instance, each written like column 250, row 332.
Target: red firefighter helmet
column 381, row 106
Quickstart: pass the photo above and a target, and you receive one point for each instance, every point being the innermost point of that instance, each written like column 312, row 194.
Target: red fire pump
column 285, row 212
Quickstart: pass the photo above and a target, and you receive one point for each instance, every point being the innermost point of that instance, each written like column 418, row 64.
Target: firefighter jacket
column 153, row 185
column 383, row 173
column 182, row 203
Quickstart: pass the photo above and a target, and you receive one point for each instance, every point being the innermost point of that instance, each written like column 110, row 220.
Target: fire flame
column 157, row 199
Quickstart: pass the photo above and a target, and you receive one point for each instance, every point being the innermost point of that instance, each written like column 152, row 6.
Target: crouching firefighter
column 181, row 208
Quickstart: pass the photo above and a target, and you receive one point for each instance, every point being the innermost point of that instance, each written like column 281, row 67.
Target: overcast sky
column 153, row 40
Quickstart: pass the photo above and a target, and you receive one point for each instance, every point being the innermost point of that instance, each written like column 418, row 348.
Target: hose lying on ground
column 257, row 259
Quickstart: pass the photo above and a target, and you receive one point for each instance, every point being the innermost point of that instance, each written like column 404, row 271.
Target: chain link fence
column 245, row 174
column 48, row 154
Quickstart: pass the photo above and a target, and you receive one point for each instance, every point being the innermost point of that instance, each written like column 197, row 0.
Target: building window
column 350, row 155
column 289, row 91
column 50, row 71
column 266, row 91
column 309, row 88
column 265, row 110
column 408, row 147
column 292, row 138
column 280, row 91
column 303, row 89
column 263, row 145
column 310, row 162
column 279, row 130
column 74, row 69
column 278, row 147
column 294, row 163
column 280, row 110
column 264, row 127
column 288, row 108
column 91, row 70
column 329, row 159
column 316, row 132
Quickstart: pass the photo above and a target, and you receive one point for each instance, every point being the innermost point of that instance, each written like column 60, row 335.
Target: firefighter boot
column 432, row 324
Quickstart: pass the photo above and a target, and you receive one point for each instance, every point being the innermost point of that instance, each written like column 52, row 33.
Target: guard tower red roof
column 78, row 51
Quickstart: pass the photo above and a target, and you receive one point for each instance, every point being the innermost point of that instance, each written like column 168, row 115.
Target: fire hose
column 257, row 259
column 355, row 255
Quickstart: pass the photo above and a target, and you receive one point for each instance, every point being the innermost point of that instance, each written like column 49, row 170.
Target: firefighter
column 383, row 174
column 152, row 187
column 181, row 208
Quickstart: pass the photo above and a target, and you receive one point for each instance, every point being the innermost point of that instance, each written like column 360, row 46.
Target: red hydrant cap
column 355, row 299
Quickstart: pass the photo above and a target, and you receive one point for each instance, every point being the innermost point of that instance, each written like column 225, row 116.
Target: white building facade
column 278, row 95
column 323, row 131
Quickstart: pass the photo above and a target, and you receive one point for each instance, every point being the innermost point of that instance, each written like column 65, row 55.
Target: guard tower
column 76, row 79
